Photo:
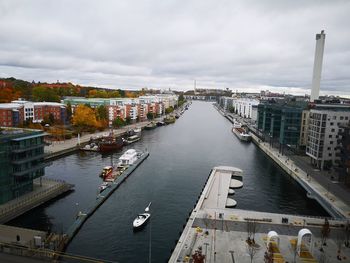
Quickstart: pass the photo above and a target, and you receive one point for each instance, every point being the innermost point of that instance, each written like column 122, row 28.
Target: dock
column 220, row 234
column 101, row 198
column 44, row 189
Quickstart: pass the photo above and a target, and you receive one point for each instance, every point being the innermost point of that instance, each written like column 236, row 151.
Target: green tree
column 102, row 113
column 127, row 120
column 150, row 116
column 69, row 111
column 118, row 122
column 169, row 110
column 41, row 93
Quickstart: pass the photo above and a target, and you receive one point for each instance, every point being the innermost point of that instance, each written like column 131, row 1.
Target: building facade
column 325, row 127
column 280, row 123
column 21, row 161
column 344, row 148
column 19, row 111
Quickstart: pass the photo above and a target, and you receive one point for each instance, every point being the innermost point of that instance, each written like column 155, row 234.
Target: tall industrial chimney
column 316, row 76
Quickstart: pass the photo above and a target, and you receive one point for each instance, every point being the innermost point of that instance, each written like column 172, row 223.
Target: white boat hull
column 140, row 220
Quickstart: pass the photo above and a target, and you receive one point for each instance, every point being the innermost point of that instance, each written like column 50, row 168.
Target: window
column 332, row 130
column 331, row 123
column 331, row 142
column 341, row 118
column 330, row 136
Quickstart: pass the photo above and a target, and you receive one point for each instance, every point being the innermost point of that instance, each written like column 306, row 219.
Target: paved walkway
column 49, row 189
column 333, row 198
column 60, row 146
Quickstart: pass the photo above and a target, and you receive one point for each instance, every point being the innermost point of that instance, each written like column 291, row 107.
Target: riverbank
column 330, row 200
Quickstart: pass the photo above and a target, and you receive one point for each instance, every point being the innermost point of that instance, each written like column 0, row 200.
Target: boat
column 93, row 147
column 242, row 134
column 111, row 143
column 104, row 186
column 236, row 124
column 132, row 139
column 160, row 123
column 106, row 172
column 141, row 219
column 128, row 158
column 177, row 116
column 169, row 120
column 150, row 126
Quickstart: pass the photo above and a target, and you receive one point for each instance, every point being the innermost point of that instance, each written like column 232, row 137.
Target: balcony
column 18, row 149
column 30, row 170
column 24, row 160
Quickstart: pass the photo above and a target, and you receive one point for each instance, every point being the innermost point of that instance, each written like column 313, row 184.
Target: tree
column 169, row 110
column 127, row 120
column 102, row 113
column 252, row 250
column 150, row 116
column 9, row 94
column 325, row 230
column 69, row 111
column 252, row 228
column 84, row 117
column 42, row 93
column 118, row 122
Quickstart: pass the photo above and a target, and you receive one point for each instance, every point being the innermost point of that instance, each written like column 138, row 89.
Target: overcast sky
column 241, row 45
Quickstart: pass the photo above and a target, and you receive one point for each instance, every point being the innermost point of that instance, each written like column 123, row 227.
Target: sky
column 247, row 45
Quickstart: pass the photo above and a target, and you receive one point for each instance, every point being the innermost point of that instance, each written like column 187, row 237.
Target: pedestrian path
column 332, row 199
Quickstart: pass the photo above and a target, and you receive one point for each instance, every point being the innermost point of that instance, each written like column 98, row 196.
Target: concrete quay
column 57, row 149
column 334, row 205
column 220, row 234
column 43, row 191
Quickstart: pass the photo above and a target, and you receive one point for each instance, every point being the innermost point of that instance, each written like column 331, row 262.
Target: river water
column 181, row 157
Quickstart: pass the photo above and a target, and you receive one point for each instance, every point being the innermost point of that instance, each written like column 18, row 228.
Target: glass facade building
column 21, row 161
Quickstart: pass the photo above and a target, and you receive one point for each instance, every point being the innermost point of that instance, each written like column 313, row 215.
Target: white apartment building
column 323, row 133
column 243, row 106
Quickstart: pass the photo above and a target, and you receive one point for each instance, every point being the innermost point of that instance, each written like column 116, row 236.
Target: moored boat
column 111, row 143
column 132, row 139
column 169, row 120
column 107, row 171
column 150, row 126
column 242, row 134
column 128, row 158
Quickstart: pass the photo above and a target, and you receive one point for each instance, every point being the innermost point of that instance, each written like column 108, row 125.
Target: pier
column 222, row 234
column 101, row 198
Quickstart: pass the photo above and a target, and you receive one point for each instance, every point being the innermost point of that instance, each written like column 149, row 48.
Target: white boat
column 128, row 158
column 236, row 124
column 142, row 218
column 132, row 139
column 242, row 134
column 104, row 186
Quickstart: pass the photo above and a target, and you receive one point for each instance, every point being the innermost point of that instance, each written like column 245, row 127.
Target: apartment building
column 13, row 114
column 280, row 123
column 344, row 148
column 324, row 133
column 21, row 161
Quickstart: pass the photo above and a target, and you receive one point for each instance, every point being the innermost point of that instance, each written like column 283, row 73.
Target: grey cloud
column 243, row 45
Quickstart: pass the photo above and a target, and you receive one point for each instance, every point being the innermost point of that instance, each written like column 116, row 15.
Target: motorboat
column 141, row 219
column 150, row 126
column 107, row 171
column 128, row 158
column 132, row 139
column 104, row 186
column 242, row 134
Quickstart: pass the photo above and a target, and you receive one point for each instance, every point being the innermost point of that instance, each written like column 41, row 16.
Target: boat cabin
column 128, row 158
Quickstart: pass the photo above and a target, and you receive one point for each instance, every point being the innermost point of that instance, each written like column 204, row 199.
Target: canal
column 181, row 156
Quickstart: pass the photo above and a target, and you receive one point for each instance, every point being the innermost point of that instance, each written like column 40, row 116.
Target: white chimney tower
column 316, row 76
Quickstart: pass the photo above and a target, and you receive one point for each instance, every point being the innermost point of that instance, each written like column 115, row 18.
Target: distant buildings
column 133, row 108
column 15, row 113
column 21, row 161
column 241, row 106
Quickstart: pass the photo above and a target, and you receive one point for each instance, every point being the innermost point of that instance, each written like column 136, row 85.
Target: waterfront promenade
column 220, row 233
column 318, row 184
column 58, row 148
column 326, row 198
column 43, row 191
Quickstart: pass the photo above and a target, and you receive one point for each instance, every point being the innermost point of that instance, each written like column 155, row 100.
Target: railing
column 33, row 198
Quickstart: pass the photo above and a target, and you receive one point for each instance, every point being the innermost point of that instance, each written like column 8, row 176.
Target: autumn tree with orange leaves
column 8, row 94
column 84, row 116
